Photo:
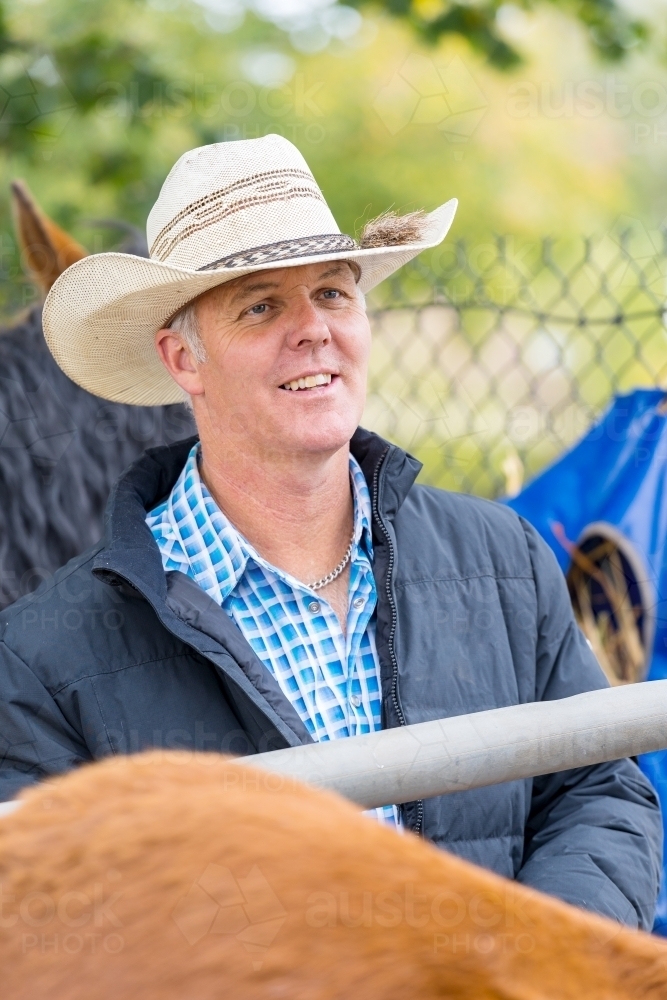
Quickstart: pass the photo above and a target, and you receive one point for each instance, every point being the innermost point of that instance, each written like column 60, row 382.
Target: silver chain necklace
column 335, row 573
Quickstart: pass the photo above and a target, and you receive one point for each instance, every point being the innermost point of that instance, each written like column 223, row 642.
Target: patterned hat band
column 304, row 246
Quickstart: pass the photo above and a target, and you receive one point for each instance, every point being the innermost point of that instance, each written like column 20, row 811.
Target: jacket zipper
column 394, row 618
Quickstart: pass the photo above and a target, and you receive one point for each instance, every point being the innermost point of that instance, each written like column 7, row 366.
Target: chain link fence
column 489, row 359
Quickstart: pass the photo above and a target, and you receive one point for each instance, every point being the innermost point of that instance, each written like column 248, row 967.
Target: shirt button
column 314, row 607
column 356, row 700
column 358, row 602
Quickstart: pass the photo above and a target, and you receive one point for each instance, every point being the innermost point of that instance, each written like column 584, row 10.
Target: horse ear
column 46, row 249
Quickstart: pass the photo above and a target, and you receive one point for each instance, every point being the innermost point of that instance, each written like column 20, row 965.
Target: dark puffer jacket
column 114, row 656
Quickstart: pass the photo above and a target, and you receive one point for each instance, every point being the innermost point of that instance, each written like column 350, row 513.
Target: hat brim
column 101, row 315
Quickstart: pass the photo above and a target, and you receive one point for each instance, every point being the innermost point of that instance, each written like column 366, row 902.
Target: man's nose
column 307, row 326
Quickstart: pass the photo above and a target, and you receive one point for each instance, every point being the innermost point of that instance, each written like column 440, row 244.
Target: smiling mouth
column 309, row 382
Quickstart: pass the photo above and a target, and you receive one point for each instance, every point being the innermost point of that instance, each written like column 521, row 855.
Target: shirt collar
column 237, row 550
column 363, row 510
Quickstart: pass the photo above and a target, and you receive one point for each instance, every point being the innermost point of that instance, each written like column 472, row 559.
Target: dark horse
column 61, row 449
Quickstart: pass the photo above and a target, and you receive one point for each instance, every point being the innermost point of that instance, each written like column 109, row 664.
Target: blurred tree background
column 542, row 118
column 546, row 119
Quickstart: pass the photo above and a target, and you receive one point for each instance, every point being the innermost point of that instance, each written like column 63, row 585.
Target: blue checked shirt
column 331, row 679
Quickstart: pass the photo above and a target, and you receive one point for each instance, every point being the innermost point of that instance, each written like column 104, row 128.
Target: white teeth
column 309, row 381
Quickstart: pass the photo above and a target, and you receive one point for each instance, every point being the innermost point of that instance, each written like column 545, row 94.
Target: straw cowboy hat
column 224, row 211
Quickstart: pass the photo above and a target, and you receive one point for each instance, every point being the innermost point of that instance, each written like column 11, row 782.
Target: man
column 281, row 579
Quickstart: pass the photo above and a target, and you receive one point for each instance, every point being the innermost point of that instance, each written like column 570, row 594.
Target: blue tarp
column 617, row 475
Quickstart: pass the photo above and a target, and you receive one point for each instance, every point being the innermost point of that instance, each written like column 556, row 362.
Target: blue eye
column 258, row 309
column 331, row 293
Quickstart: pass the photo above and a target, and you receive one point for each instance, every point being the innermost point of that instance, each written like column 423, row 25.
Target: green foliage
column 98, row 98
column 611, row 31
column 424, row 100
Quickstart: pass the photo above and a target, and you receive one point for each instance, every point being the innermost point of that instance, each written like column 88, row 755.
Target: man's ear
column 46, row 249
column 177, row 357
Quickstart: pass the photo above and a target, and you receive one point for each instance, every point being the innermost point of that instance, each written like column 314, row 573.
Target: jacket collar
column 390, row 472
column 129, row 550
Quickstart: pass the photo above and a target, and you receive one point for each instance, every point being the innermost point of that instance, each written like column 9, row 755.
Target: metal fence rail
column 489, row 359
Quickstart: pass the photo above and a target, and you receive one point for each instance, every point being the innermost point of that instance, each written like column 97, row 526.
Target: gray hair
column 186, row 323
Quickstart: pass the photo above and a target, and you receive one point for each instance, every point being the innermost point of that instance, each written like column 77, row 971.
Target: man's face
column 265, row 334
